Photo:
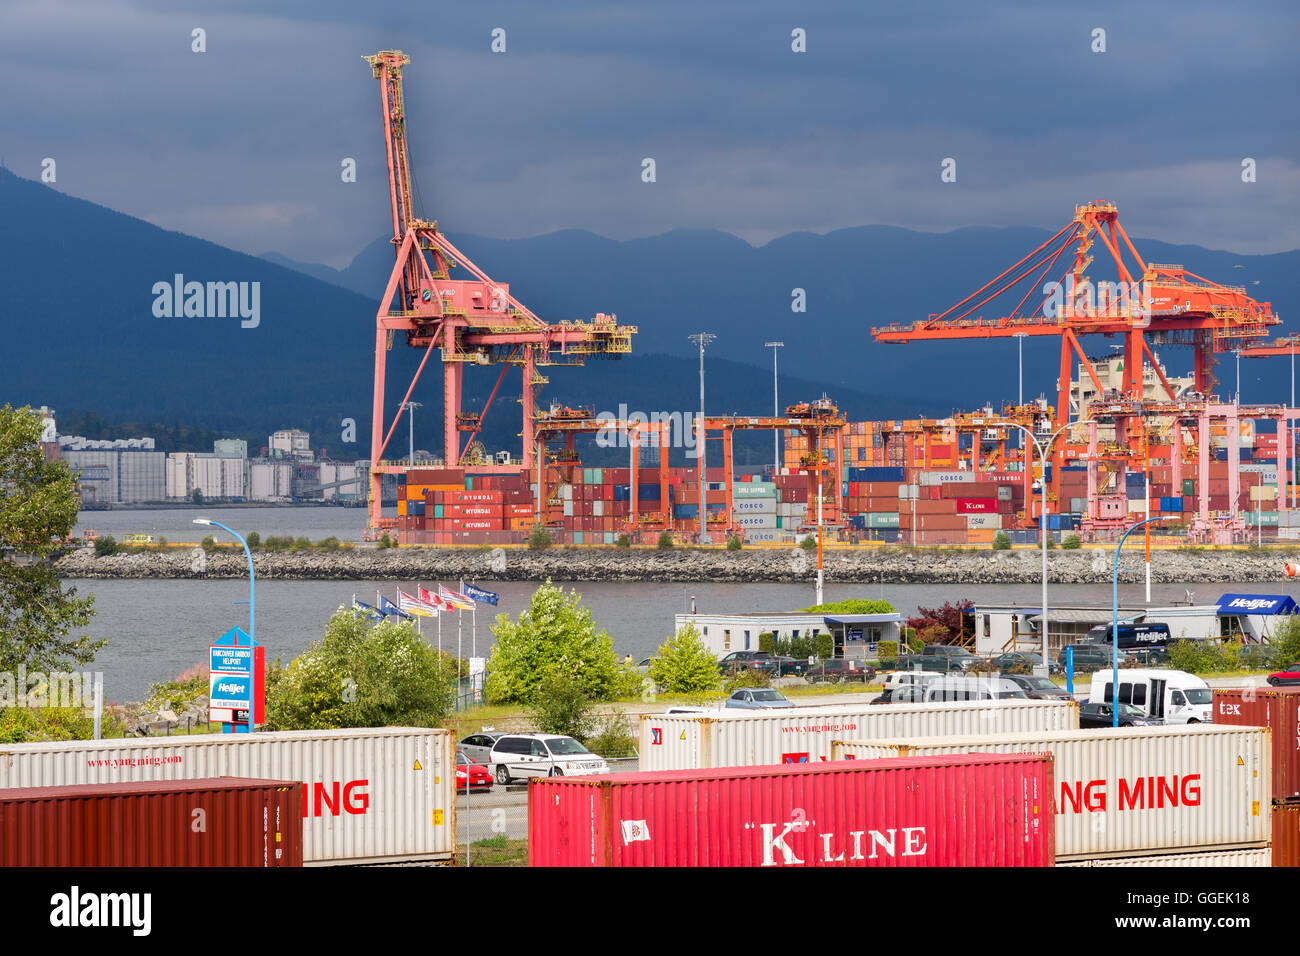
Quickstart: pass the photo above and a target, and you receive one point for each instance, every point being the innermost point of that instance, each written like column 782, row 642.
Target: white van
column 974, row 688
column 1176, row 697
column 897, row 679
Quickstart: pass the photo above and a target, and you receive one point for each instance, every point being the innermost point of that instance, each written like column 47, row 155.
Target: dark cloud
column 242, row 144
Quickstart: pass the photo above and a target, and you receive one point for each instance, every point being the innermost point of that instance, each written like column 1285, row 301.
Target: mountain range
column 82, row 330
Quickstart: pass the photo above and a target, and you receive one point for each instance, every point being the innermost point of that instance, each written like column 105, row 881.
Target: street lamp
column 410, row 419
column 252, row 632
column 702, row 339
column 776, row 411
column 1020, row 362
column 1042, row 517
column 1114, row 623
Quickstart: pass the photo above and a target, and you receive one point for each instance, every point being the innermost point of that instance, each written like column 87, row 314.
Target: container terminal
column 1123, row 439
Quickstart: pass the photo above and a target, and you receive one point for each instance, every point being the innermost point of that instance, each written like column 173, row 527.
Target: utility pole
column 776, row 411
column 410, row 420
column 702, row 339
column 820, row 470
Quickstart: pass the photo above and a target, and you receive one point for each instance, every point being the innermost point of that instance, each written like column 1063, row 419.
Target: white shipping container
column 725, row 738
column 1259, row 856
column 944, row 477
column 766, row 521
column 754, row 506
column 369, row 795
column 984, row 521
column 1129, row 791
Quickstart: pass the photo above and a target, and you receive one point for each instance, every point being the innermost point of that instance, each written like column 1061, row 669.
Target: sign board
column 236, row 684
column 477, row 665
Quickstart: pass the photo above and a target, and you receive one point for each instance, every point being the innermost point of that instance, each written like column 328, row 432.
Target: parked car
column 1099, row 715
column 902, row 694
column 747, row 660
column 1016, row 662
column 945, row 658
column 758, row 698
column 471, row 775
column 973, row 688
column 1175, row 697
column 839, row 669
column 1087, row 657
column 1288, row 675
column 788, row 667
column 542, row 755
column 1038, row 688
column 478, row 747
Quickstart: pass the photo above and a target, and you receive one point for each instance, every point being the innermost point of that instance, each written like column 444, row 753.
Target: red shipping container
column 1278, row 709
column 961, row 810
column 151, row 823
column 472, row 497
column 976, row 506
column 1286, row 834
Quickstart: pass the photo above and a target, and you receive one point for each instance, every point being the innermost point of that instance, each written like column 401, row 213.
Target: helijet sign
column 235, row 687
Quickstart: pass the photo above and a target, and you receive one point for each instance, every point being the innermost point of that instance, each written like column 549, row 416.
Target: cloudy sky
column 242, row 144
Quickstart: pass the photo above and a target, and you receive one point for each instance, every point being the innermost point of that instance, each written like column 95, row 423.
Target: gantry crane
column 1151, row 304
column 473, row 321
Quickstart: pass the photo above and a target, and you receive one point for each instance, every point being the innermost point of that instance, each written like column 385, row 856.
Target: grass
column 494, row 851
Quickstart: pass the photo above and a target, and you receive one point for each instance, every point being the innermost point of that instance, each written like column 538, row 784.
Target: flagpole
column 458, row 652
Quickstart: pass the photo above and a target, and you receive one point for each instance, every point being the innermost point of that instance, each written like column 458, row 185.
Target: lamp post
column 776, row 411
column 1042, row 517
column 1114, row 623
column 1020, row 363
column 252, row 617
column 410, row 420
column 702, row 339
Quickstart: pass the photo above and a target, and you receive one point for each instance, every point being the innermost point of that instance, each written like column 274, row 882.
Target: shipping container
column 1255, row 856
column 1286, row 834
column 1131, row 791
column 1278, row 709
column 729, row 738
column 152, row 823
column 369, row 795
column 855, row 813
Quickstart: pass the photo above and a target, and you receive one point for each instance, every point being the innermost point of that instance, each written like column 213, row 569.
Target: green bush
column 767, row 642
column 612, row 736
column 539, row 539
column 916, row 644
column 733, row 543
column 622, row 542
column 738, row 677
column 19, row 725
column 208, row 544
column 1051, row 542
column 1286, row 643
column 1072, row 543
column 665, row 541
column 361, row 675
column 555, row 634
column 887, row 651
column 384, row 542
column 685, row 665
column 560, row 706
column 105, row 545
column 809, row 543
column 1001, row 541
column 802, row 647
column 852, row 606
column 254, row 540
column 302, row 543
column 825, row 645
column 180, row 692
column 328, row 544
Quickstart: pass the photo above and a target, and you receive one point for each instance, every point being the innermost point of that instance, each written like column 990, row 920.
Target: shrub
column 302, row 543
column 802, row 647
column 328, row 544
column 852, row 606
column 105, row 545
column 685, row 665
column 555, row 634
column 560, row 706
column 612, row 736
column 384, row 541
column 162, row 542
column 738, row 677
column 887, row 651
column 20, row 725
column 622, row 542
column 539, row 539
column 809, row 543
column 767, row 642
column 733, row 543
column 1072, row 543
column 208, row 544
column 1001, row 541
column 360, row 675
column 1051, row 542
column 665, row 541
column 825, row 645
column 183, row 690
column 1286, row 643
column 254, row 540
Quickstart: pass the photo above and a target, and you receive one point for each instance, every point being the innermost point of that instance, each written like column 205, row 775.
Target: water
column 156, row 629
column 177, row 524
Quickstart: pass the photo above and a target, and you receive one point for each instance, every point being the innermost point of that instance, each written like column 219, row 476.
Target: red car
column 470, row 775
column 1289, row 676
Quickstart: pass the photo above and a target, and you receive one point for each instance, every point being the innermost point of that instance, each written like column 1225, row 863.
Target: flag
column 634, row 831
column 415, row 606
column 455, row 599
column 435, row 602
column 479, row 595
column 388, row 607
column 369, row 611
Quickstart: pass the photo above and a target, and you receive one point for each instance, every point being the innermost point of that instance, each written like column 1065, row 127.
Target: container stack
column 1135, row 795
column 1278, row 710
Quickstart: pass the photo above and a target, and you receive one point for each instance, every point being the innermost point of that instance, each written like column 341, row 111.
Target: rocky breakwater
column 888, row 565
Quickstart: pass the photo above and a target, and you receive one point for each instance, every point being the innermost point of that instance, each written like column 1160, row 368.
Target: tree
column 362, row 674
column 1001, row 541
column 733, row 543
column 939, row 625
column 684, row 664
column 38, row 509
column 555, row 635
column 196, row 497
column 665, row 541
column 254, row 539
column 561, row 707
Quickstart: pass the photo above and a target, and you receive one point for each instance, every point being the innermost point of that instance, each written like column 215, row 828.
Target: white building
column 230, row 448
column 213, row 476
column 289, row 443
column 117, row 475
column 270, row 480
column 854, row 635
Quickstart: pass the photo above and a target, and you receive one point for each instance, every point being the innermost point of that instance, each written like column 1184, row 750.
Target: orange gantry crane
column 472, row 321
column 1150, row 304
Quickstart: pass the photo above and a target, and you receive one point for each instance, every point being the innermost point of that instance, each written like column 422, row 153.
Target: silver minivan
column 542, row 755
column 974, row 688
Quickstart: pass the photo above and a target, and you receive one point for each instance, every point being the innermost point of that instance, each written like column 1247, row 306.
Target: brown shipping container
column 1278, row 709
column 1286, row 834
column 152, row 823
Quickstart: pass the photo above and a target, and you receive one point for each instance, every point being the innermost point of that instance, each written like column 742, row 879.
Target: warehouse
column 855, row 635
